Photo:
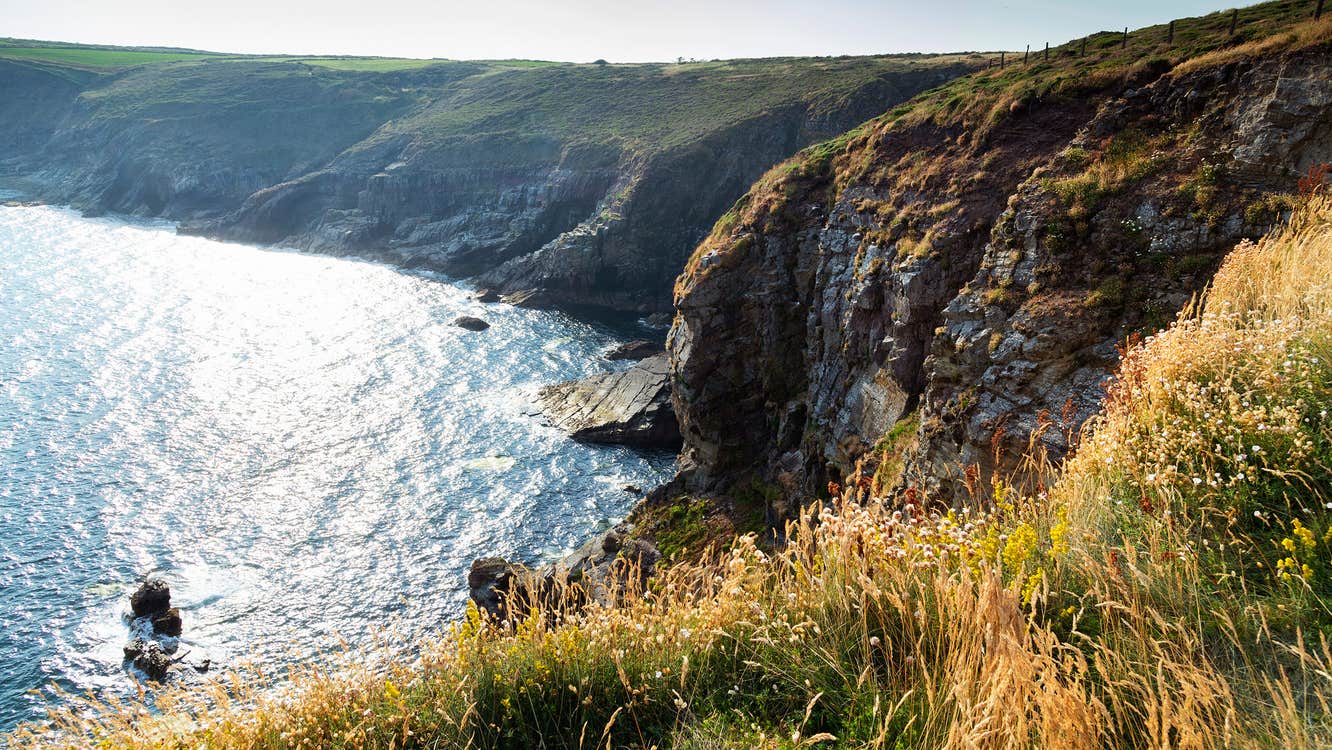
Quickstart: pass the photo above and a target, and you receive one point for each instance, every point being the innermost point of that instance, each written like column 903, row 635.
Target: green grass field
column 95, row 58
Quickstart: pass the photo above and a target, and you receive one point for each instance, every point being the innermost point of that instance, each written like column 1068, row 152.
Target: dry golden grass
column 1297, row 37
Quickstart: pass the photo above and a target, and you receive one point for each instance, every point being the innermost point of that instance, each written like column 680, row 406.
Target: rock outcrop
column 635, row 350
column 602, row 570
column 470, row 323
column 152, row 598
column 975, row 272
column 153, row 619
column 632, row 407
column 149, row 657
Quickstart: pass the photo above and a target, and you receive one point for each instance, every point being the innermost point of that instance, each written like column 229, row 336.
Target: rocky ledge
column 626, row 408
column 602, row 570
column 635, row 350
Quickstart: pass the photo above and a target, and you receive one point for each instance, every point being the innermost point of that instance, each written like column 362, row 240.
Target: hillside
column 943, row 287
column 582, row 184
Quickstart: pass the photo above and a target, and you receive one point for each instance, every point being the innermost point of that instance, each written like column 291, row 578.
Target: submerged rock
column 471, row 323
column 635, row 350
column 627, row 408
column 152, row 597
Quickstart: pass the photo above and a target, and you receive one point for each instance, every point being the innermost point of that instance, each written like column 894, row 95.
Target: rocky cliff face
column 193, row 139
column 563, row 218
column 976, row 271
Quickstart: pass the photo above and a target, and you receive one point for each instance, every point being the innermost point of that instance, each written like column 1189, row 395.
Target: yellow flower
column 1033, row 582
column 1021, row 543
column 1303, row 533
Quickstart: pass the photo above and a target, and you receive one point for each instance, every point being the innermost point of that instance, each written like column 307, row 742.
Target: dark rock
column 489, row 582
column 633, row 488
column 168, row 623
column 134, row 648
column 659, row 320
column 627, row 408
column 486, row 295
column 153, row 660
column 203, row 666
column 471, row 323
column 612, row 542
column 640, row 553
column 152, row 597
column 635, row 350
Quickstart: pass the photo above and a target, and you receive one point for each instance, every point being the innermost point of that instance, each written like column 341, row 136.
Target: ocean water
column 303, row 446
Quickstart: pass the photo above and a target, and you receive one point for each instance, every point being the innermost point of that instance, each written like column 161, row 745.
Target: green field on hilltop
column 96, row 58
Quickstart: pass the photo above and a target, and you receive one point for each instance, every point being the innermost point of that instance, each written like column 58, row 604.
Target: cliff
column 574, row 184
column 937, row 291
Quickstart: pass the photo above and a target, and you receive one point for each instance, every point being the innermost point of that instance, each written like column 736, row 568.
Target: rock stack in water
column 154, row 616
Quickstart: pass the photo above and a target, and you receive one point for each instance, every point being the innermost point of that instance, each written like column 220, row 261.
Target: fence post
column 1047, row 51
column 1001, row 60
column 1084, row 46
column 1318, row 12
column 1170, row 35
column 1234, row 20
column 1124, row 44
column 1026, row 54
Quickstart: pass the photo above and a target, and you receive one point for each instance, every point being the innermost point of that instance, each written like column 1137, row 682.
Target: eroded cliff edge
column 938, row 290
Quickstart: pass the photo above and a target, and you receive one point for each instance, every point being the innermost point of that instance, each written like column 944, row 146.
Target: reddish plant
column 1315, row 180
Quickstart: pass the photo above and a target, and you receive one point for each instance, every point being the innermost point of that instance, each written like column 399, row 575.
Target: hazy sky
column 582, row 30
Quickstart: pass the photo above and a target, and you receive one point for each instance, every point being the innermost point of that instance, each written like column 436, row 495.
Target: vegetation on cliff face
column 1169, row 587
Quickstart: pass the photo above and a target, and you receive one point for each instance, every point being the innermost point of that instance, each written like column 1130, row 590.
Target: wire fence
column 1079, row 47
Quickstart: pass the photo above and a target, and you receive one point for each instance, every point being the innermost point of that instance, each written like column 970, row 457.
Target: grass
column 646, row 107
column 95, row 58
column 1168, row 587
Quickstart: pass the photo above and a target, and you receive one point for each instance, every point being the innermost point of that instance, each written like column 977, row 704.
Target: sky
column 582, row 30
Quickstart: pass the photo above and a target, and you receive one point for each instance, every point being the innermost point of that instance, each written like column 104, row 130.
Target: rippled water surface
column 305, row 447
